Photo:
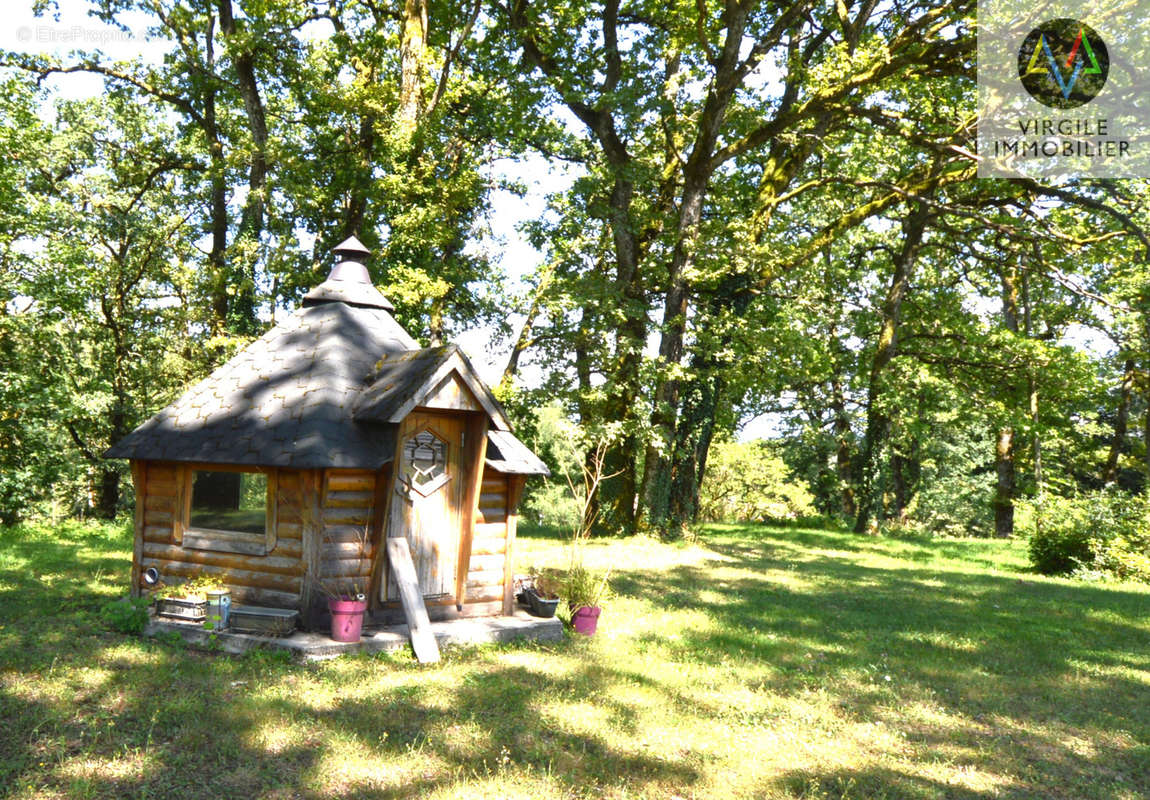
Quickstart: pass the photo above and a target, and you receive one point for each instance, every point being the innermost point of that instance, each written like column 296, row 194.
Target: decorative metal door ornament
column 424, row 464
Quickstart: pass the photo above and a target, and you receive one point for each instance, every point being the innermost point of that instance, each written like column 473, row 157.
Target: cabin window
column 424, row 463
column 229, row 510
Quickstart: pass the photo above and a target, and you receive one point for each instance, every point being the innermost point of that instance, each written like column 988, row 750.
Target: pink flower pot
column 585, row 618
column 346, row 619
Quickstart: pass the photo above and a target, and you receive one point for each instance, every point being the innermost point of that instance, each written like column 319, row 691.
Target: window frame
column 221, row 541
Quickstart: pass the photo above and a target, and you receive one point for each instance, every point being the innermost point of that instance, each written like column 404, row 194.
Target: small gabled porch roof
column 403, row 381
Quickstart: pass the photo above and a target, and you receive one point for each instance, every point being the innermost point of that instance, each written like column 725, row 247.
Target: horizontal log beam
column 484, row 594
column 346, row 550
column 345, row 568
column 153, row 517
column 493, row 577
column 271, row 564
column 354, row 500
column 288, row 530
column 347, row 516
column 484, row 529
column 481, row 563
column 161, row 474
column 489, row 545
column 162, row 489
column 158, row 533
column 288, row 548
column 230, row 577
column 351, row 482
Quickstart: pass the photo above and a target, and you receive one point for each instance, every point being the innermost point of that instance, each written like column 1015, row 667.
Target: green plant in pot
column 188, row 600
column 585, row 591
column 540, row 594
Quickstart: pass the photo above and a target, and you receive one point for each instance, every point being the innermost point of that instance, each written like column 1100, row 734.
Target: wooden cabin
column 283, row 472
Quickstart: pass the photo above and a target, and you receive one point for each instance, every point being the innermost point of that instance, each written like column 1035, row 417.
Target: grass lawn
column 758, row 662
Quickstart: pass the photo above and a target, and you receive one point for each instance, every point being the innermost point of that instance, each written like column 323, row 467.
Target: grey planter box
column 262, row 621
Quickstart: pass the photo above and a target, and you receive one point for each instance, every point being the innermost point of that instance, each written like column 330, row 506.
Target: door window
column 424, row 463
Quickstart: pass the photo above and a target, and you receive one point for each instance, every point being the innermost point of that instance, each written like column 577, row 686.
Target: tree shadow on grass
column 186, row 724
column 1014, row 666
column 873, row 784
column 1032, row 663
column 498, row 721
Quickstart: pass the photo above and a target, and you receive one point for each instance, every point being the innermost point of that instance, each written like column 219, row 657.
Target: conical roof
column 286, row 399
column 290, row 398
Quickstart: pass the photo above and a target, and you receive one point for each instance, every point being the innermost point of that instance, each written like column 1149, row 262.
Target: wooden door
column 428, row 497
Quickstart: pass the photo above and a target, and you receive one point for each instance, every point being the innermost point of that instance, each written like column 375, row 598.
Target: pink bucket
column 585, row 619
column 346, row 619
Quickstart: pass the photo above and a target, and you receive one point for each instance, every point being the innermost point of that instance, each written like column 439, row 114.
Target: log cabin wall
column 274, row 580
column 349, row 534
column 348, row 504
column 489, row 550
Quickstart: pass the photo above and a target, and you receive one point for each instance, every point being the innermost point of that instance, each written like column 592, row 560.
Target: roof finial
column 350, row 267
column 349, row 281
column 351, row 249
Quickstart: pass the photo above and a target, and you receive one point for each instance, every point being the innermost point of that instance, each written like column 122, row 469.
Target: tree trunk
column 356, row 210
column 1121, row 422
column 587, row 411
column 1031, row 380
column 1004, row 491
column 618, row 490
column 696, row 425
column 242, row 314
column 898, row 465
column 523, row 340
column 696, row 183
column 1006, row 485
column 218, row 204
column 1146, row 440
column 411, row 61
column 877, row 423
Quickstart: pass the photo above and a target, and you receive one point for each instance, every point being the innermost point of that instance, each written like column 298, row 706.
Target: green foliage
column 1098, row 534
column 555, row 501
column 955, row 485
column 194, row 588
column 748, row 481
column 1060, row 541
column 128, row 615
column 580, row 586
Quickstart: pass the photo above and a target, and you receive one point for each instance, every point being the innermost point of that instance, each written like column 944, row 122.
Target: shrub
column 749, row 482
column 559, row 442
column 129, row 615
column 1105, row 532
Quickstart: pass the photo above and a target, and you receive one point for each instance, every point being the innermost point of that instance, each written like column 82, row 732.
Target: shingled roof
column 505, row 453
column 403, row 380
column 285, row 400
column 324, row 388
